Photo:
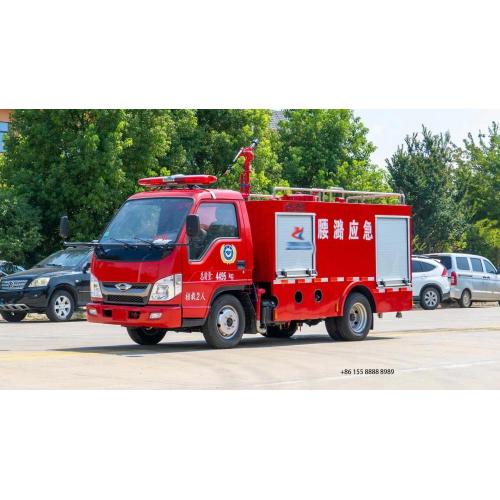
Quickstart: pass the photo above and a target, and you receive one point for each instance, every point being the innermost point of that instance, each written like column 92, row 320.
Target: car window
column 476, row 265
column 463, row 263
column 427, row 266
column 444, row 259
column 489, row 267
column 217, row 220
column 71, row 257
column 415, row 266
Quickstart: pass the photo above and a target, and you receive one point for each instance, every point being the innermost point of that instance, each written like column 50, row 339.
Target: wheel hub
column 358, row 318
column 227, row 321
column 62, row 307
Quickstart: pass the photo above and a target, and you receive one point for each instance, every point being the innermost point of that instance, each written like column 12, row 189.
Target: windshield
column 71, row 257
column 157, row 220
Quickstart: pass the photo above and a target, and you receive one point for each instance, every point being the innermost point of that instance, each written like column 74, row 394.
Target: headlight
column 95, row 288
column 166, row 288
column 39, row 282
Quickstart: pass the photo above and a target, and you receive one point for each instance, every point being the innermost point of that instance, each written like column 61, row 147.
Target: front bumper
column 456, row 293
column 171, row 316
column 34, row 299
column 445, row 296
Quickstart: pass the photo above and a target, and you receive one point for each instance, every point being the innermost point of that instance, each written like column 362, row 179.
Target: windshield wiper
column 151, row 244
column 124, row 243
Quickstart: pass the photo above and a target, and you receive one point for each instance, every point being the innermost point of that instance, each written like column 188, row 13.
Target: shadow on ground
column 200, row 345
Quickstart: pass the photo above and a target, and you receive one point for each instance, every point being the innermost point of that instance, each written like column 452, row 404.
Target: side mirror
column 86, row 267
column 193, row 227
column 64, row 227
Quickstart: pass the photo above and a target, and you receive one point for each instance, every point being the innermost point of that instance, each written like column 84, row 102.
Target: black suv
column 56, row 286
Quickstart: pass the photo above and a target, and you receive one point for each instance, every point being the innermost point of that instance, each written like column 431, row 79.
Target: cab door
column 217, row 259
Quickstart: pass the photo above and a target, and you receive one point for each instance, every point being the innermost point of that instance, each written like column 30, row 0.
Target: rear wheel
column 13, row 317
column 355, row 323
column 225, row 323
column 331, row 328
column 430, row 298
column 281, row 332
column 466, row 299
column 147, row 336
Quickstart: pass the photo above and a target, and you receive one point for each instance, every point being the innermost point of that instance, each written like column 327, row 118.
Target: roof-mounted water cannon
column 248, row 154
column 179, row 180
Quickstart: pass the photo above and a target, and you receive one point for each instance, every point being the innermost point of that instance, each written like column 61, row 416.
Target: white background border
column 317, row 444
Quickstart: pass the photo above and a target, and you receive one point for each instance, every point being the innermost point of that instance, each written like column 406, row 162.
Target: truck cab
column 148, row 274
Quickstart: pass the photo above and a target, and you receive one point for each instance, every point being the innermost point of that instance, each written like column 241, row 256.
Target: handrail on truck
column 323, row 193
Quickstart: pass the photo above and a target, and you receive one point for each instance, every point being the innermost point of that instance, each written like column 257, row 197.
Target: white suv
column 429, row 282
column 472, row 277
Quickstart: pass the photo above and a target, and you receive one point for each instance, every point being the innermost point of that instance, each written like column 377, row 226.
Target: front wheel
column 430, row 298
column 225, row 323
column 355, row 323
column 13, row 317
column 146, row 336
column 61, row 306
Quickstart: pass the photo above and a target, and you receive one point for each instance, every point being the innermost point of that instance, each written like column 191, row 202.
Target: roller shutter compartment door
column 295, row 247
column 392, row 248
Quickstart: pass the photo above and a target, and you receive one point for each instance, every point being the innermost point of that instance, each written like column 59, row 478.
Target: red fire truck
column 185, row 257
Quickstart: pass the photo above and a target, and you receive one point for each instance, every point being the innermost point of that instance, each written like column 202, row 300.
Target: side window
column 489, row 267
column 217, row 220
column 463, row 263
column 476, row 265
column 426, row 267
column 416, row 266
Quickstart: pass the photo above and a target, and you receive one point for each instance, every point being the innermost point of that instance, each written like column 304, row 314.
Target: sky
column 389, row 127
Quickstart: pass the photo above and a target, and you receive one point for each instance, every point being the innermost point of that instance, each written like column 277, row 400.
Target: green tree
column 478, row 180
column 206, row 141
column 327, row 147
column 19, row 228
column 67, row 162
column 424, row 170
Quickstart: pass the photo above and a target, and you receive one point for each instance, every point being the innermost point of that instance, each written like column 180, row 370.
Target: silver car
column 472, row 277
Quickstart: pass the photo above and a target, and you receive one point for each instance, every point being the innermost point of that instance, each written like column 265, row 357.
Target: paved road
column 447, row 348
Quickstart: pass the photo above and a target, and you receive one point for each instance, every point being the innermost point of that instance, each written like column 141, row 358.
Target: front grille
column 136, row 286
column 125, row 299
column 13, row 284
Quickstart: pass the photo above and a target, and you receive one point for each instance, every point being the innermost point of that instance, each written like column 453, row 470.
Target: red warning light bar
column 178, row 179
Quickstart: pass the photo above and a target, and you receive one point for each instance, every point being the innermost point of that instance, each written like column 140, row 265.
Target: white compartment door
column 295, row 249
column 393, row 252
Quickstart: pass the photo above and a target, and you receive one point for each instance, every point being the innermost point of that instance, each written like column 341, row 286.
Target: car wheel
column 355, row 323
column 225, row 323
column 332, row 329
column 281, row 332
column 61, row 306
column 12, row 316
column 147, row 336
column 465, row 299
column 430, row 298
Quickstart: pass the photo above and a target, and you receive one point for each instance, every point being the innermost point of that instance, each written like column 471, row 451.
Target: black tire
column 332, row 329
column 281, row 332
column 355, row 323
column 61, row 306
column 225, row 323
column 466, row 299
column 430, row 298
column 13, row 316
column 147, row 336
